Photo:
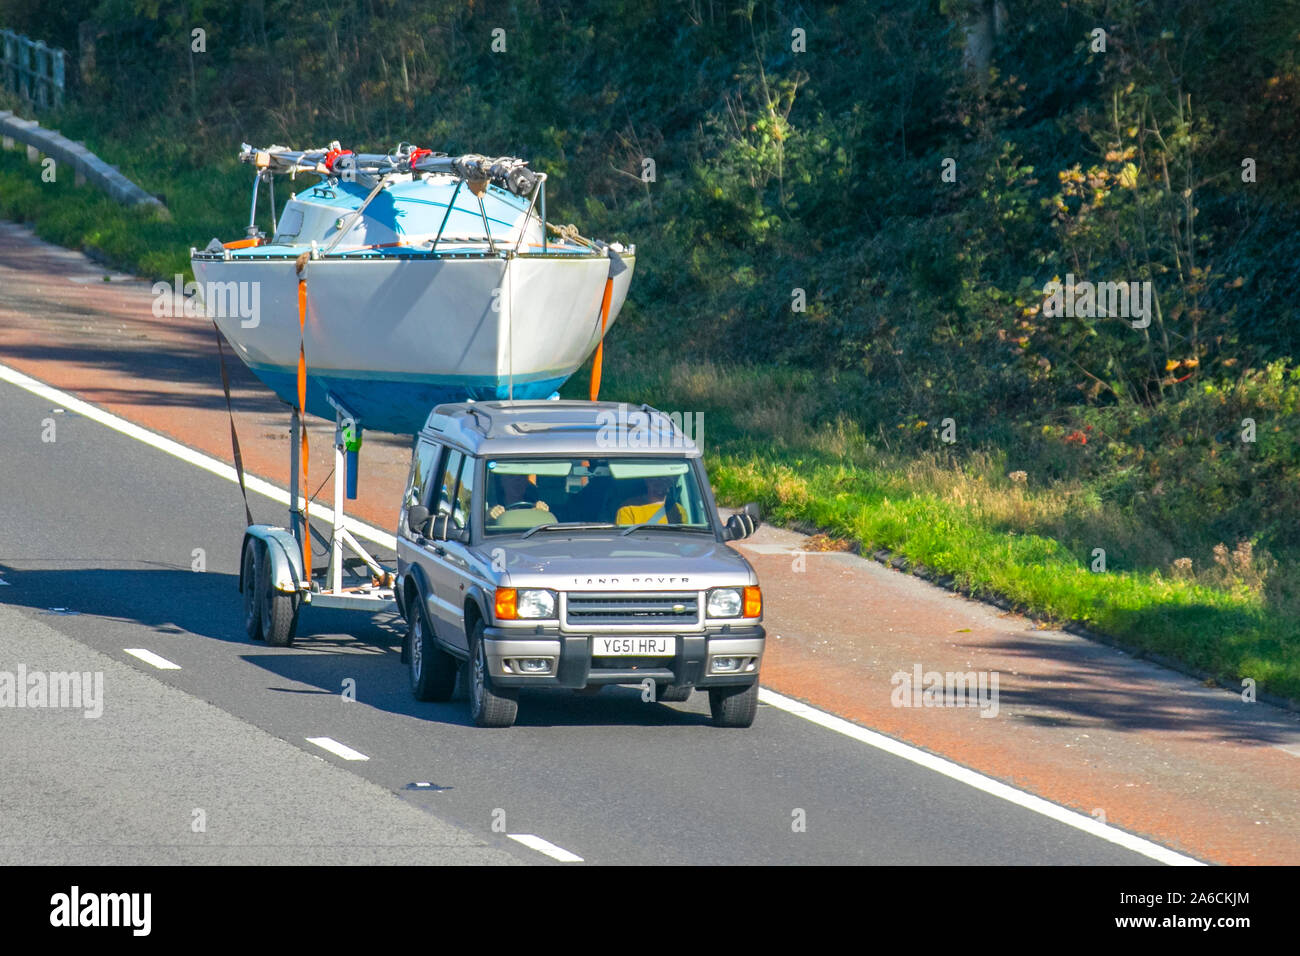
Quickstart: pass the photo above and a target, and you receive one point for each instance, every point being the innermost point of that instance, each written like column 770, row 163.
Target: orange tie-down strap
column 599, row 361
column 302, row 419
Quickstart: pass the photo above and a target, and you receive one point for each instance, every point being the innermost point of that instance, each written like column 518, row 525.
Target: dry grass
column 774, row 410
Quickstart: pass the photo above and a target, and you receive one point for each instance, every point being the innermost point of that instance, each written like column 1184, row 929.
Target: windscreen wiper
column 655, row 524
column 560, row 525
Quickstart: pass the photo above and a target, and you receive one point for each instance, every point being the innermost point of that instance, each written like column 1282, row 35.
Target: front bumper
column 571, row 663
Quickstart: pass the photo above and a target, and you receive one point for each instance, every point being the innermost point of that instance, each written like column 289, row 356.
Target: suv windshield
column 523, row 493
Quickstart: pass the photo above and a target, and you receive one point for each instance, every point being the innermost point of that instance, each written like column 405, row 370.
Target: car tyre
column 489, row 706
column 733, row 706
column 673, row 693
column 432, row 670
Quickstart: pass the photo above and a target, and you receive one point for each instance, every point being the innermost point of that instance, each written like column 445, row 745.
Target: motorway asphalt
column 98, row 539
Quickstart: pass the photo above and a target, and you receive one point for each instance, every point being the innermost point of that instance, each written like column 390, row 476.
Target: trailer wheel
column 279, row 612
column 489, row 706
column 252, row 579
column 432, row 670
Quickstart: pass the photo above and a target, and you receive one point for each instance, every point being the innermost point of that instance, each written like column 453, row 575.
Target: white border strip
column 336, row 748
column 217, row 467
column 534, row 842
column 382, row 538
column 149, row 657
column 980, row 782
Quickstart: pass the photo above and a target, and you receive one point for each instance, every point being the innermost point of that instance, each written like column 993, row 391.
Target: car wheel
column 252, row 570
column 673, row 693
column 733, row 706
column 490, row 707
column 432, row 670
column 279, row 612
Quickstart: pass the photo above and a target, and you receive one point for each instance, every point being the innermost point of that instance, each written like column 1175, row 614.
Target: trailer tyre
column 489, row 706
column 252, row 578
column 432, row 670
column 279, row 612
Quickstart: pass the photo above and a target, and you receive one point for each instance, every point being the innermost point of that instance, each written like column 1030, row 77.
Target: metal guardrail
column 31, row 69
column 69, row 155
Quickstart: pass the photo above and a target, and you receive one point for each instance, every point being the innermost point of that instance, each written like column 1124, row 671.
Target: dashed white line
column 980, row 782
column 336, row 748
column 534, row 842
column 149, row 657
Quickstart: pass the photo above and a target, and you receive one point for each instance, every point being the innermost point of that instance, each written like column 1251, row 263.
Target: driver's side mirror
column 742, row 524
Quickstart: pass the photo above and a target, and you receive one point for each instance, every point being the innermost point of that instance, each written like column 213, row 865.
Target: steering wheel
column 520, row 505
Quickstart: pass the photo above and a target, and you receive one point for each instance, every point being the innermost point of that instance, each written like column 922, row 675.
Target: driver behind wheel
column 515, row 490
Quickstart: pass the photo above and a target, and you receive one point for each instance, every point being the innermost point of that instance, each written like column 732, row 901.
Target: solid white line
column 217, row 467
column 534, row 842
column 149, row 657
column 336, row 748
column 980, row 782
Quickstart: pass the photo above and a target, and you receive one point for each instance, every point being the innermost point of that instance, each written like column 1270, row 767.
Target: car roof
column 563, row 427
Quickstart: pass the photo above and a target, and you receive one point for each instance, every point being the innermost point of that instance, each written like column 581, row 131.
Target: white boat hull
column 391, row 336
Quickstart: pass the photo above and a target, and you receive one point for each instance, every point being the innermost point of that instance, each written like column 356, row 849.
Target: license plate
column 633, row 646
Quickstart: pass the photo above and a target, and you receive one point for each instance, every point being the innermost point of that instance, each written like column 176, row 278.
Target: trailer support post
column 295, row 473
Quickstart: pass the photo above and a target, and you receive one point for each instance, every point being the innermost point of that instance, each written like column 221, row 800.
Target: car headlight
column 535, row 603
column 513, row 604
column 724, row 602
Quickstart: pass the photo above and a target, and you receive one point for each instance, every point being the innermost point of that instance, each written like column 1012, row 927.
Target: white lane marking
column 336, row 748
column 980, row 782
column 384, row 539
column 217, row 467
column 149, row 657
column 534, row 842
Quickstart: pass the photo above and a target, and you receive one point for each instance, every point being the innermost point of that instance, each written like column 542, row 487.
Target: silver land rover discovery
column 572, row 544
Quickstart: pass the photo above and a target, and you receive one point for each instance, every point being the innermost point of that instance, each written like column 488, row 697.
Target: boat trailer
column 276, row 576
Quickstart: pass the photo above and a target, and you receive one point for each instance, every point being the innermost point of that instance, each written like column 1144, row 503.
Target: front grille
column 632, row 608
